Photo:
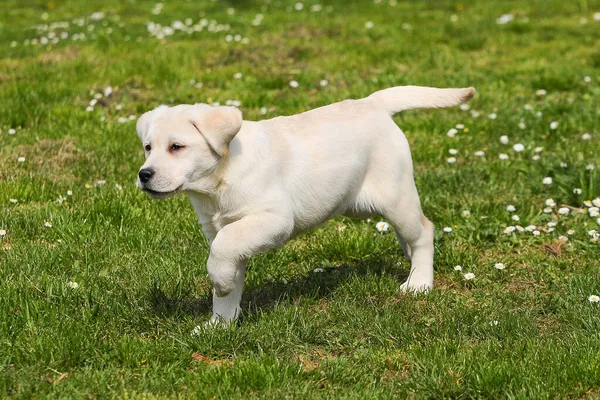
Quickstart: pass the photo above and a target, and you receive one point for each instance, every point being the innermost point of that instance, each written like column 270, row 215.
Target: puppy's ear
column 143, row 123
column 218, row 125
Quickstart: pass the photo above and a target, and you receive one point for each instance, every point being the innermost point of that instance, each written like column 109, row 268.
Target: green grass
column 346, row 332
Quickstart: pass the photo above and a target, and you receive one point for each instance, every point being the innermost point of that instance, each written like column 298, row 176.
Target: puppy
column 255, row 185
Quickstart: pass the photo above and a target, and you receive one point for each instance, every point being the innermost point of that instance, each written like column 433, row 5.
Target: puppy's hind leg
column 415, row 232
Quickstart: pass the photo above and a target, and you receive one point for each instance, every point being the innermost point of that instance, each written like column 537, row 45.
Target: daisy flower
column 522, row 125
column 536, row 233
column 577, row 191
column 493, row 116
column 2, row 232
column 458, row 268
column 369, row 24
column 294, row 84
column 548, row 210
column 447, row 229
column 510, row 208
column 530, row 228
column 515, row 218
column 318, row 270
column 564, row 211
column 494, row 323
column 73, row 285
column 453, row 152
column 460, row 126
column 21, row 159
column 509, row 229
column 13, row 201
column 503, row 156
column 323, row 82
column 553, row 125
column 563, row 238
column 594, row 299
column 550, row 203
column 518, row 147
column 586, row 136
column 504, row 139
column 547, row 181
column 12, row 131
column 452, row 132
column 570, row 231
column 466, row 213
column 382, row 226
column 469, row 276
column 48, row 224
column 596, row 202
column 451, row 160
column 541, row 92
column 499, row 266
column 479, row 153
column 238, row 75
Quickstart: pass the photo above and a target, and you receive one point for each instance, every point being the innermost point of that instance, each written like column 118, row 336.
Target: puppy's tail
column 401, row 98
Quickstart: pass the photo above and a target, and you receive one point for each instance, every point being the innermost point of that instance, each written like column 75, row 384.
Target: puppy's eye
column 147, row 147
column 175, row 147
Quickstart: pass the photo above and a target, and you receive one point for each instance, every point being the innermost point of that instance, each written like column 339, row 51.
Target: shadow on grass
column 268, row 295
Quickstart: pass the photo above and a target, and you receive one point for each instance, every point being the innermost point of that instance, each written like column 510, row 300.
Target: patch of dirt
column 48, row 158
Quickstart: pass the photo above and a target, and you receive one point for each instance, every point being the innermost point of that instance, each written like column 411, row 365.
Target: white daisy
column 460, row 126
column 2, row 232
column 12, row 131
column 324, row 82
column 536, row 233
column 369, row 24
column 382, row 226
column 510, row 208
column 494, row 323
column 530, row 228
column 564, row 211
column 13, row 201
column 509, row 229
column 515, row 218
column 48, row 224
column 479, row 153
column 453, row 152
column 548, row 210
column 551, row 224
column 503, row 156
column 499, row 266
column 447, row 229
column 586, row 136
column 504, row 139
column 469, row 276
column 596, row 202
column 238, row 75
column 318, row 270
column 553, row 124
column 538, row 149
column 577, row 191
column 458, row 268
column 563, row 238
column 21, row 159
column 550, row 203
column 547, row 181
column 594, row 299
column 570, row 231
column 451, row 160
column 294, row 84
column 466, row 213
column 452, row 132
column 73, row 285
column 522, row 125
column 541, row 92
column 493, row 116
column 518, row 147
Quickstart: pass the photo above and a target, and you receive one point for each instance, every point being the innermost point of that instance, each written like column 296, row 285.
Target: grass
column 346, row 332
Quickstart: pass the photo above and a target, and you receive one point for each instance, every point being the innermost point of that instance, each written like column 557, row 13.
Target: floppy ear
column 143, row 123
column 218, row 125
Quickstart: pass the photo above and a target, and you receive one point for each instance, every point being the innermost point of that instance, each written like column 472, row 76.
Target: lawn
column 102, row 287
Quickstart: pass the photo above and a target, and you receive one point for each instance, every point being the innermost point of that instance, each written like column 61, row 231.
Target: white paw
column 415, row 286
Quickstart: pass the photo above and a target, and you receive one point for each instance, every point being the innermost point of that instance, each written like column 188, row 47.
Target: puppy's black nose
column 145, row 174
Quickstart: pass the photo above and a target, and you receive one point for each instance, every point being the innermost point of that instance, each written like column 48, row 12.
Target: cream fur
column 286, row 175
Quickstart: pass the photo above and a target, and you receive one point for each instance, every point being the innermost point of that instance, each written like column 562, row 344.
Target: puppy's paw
column 415, row 287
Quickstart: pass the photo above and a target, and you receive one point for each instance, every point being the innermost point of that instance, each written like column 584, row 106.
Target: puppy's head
column 183, row 144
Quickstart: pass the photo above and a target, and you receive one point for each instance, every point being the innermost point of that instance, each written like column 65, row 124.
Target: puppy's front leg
column 228, row 254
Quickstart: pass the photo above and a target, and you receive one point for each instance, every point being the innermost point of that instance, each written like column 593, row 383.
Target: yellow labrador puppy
column 255, row 185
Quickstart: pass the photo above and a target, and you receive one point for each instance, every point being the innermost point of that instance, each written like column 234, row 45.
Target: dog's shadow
column 266, row 296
